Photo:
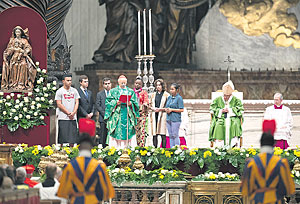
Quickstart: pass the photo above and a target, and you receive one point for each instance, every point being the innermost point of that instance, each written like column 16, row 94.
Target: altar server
column 284, row 121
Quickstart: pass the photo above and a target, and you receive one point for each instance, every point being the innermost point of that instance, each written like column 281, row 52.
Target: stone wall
column 255, row 85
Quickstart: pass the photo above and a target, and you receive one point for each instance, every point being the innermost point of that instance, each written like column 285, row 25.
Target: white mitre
column 228, row 88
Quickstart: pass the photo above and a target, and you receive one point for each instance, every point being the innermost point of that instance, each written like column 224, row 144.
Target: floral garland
column 207, row 159
column 210, row 176
column 28, row 110
column 120, row 176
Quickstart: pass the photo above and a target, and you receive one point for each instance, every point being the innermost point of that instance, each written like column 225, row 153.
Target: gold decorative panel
column 205, row 199
column 232, row 199
column 216, row 192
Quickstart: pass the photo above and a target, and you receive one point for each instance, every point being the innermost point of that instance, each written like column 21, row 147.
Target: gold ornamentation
column 138, row 163
column 204, row 200
column 124, row 160
column 58, row 157
column 296, row 165
column 232, row 200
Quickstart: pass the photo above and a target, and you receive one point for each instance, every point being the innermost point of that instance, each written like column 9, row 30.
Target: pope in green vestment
column 116, row 112
column 227, row 115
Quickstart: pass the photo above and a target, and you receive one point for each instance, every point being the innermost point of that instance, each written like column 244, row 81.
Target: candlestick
column 145, row 25
column 150, row 32
column 139, row 32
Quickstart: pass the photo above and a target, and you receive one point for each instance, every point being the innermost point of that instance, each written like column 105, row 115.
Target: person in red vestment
column 29, row 171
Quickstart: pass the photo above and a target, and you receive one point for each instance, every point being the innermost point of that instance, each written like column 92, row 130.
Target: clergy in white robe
column 284, row 121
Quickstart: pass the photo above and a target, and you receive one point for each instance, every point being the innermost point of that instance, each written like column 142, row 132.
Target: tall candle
column 145, row 25
column 139, row 32
column 150, row 32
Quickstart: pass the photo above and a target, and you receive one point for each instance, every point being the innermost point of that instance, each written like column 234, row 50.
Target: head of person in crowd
column 278, row 99
column 122, row 81
column 84, row 81
column 51, row 170
column 67, row 81
column 106, row 83
column 159, row 85
column 11, row 172
column 29, row 170
column 58, row 173
column 174, row 89
column 227, row 89
column 138, row 84
column 20, row 175
column 87, row 131
column 7, row 183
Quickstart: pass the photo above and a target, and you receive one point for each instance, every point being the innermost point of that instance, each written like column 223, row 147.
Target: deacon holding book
column 121, row 112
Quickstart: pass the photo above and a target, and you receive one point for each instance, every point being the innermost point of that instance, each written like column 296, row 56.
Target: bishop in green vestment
column 121, row 117
column 227, row 115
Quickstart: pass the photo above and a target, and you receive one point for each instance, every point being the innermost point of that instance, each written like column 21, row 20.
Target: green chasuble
column 116, row 116
column 217, row 129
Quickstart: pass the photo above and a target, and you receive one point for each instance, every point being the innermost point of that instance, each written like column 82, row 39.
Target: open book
column 125, row 98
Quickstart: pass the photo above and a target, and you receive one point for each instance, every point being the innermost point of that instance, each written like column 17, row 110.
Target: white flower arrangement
column 28, row 109
column 210, row 176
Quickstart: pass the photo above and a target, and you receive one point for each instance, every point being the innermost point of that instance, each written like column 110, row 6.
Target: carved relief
column 205, row 199
column 232, row 199
column 260, row 17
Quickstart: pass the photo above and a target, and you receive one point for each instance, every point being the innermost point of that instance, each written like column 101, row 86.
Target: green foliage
column 120, row 176
column 157, row 159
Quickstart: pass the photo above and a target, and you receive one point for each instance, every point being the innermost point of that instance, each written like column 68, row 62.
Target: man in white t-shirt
column 284, row 121
column 67, row 100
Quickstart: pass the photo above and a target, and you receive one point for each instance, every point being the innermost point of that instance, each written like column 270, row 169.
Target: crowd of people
column 126, row 116
column 83, row 179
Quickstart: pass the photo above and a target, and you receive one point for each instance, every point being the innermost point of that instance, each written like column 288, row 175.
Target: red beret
column 29, row 168
column 269, row 126
column 87, row 126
